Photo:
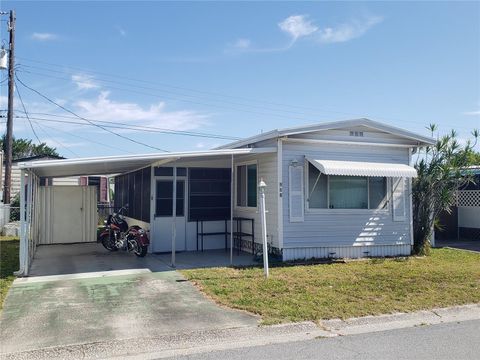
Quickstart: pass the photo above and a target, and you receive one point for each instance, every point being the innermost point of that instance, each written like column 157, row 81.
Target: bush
column 15, row 208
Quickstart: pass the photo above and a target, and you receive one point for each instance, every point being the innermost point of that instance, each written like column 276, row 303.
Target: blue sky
column 239, row 68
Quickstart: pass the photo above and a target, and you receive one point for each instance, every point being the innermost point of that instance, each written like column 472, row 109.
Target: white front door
column 163, row 222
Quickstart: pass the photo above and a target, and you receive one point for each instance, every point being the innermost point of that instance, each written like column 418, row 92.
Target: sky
column 224, row 70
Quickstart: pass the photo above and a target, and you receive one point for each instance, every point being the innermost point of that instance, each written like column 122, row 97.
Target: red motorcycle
column 117, row 235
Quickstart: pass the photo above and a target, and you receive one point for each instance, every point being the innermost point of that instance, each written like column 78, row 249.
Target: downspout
column 23, row 252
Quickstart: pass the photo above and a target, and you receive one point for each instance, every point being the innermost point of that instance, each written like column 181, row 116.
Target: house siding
column 347, row 233
column 266, row 169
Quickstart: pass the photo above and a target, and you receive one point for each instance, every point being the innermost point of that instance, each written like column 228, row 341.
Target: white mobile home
column 339, row 189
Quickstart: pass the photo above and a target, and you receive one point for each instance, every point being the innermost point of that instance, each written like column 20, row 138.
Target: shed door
column 68, row 214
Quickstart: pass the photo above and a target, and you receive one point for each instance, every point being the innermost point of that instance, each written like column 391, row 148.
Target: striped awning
column 358, row 168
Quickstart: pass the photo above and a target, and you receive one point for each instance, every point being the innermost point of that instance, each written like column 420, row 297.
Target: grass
column 343, row 290
column 8, row 264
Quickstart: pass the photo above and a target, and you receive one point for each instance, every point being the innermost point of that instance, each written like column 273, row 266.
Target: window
column 345, row 192
column 164, row 198
column 134, row 189
column 209, row 193
column 247, row 185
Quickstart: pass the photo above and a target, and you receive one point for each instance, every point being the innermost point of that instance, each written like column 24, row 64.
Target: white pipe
column 231, row 210
column 174, row 215
column 341, row 142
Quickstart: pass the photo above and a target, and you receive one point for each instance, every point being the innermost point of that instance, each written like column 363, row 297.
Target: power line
column 87, row 139
column 56, row 140
column 82, row 118
column 178, row 93
column 163, row 97
column 183, row 88
column 137, row 127
column 26, row 113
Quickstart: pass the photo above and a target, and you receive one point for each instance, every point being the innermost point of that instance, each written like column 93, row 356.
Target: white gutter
column 152, row 157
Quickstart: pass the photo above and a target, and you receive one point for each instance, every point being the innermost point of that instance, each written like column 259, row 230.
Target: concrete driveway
column 471, row 245
column 108, row 297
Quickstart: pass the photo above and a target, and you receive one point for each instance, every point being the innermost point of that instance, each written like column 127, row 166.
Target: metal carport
column 34, row 170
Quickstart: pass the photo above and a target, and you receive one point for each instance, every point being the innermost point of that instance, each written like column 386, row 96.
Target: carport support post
column 23, row 242
column 174, row 214
column 231, row 212
column 263, row 220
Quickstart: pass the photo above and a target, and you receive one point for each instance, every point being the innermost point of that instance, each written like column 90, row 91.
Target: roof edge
column 423, row 140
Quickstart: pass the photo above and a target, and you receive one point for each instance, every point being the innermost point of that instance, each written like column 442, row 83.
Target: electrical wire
column 169, row 91
column 82, row 118
column 163, row 97
column 26, row 113
column 87, row 139
column 256, row 100
column 145, row 128
column 56, row 140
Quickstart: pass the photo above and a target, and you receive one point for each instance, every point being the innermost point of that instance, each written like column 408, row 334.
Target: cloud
column 473, row 113
column 241, row 44
column 85, row 82
column 300, row 26
column 121, row 31
column 347, row 31
column 105, row 109
column 44, row 36
column 297, row 26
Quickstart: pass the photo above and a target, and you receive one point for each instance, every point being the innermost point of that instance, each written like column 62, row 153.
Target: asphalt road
column 445, row 341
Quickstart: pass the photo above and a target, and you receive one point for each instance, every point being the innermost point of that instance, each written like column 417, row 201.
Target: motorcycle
column 117, row 235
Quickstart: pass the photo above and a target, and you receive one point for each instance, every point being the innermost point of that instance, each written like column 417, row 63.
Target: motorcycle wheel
column 140, row 250
column 108, row 243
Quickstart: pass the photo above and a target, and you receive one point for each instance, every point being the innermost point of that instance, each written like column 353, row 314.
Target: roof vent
column 356, row 133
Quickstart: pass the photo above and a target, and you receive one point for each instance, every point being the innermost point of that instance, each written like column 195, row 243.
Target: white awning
column 357, row 168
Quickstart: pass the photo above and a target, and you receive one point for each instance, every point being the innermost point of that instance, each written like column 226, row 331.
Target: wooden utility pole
column 11, row 89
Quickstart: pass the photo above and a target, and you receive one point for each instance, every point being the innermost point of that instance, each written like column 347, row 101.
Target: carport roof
column 120, row 164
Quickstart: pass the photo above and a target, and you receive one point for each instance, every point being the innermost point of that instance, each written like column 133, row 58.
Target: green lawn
column 342, row 290
column 8, row 264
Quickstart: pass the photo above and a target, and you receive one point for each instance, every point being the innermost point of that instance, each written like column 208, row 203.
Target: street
column 444, row 341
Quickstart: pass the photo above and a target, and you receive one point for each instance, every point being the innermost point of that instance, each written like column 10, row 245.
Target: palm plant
column 442, row 168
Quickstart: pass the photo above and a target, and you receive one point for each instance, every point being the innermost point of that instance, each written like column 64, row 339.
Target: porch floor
column 67, row 259
column 207, row 258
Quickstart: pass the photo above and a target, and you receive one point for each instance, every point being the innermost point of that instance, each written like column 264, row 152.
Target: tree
column 474, row 158
column 24, row 148
column 442, row 168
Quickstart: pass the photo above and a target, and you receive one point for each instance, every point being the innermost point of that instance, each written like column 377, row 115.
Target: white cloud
column 347, row 31
column 241, row 44
column 121, row 31
column 474, row 113
column 297, row 26
column 85, row 82
column 300, row 26
column 44, row 36
column 103, row 108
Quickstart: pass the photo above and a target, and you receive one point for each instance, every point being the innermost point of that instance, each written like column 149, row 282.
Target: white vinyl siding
column 343, row 227
column 266, row 169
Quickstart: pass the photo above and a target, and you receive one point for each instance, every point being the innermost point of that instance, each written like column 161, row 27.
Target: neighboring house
column 101, row 182
column 463, row 222
column 338, row 189
column 15, row 189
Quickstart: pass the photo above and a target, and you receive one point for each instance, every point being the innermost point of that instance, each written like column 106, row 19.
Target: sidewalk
column 203, row 341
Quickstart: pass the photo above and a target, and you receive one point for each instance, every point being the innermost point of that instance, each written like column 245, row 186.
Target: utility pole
column 11, row 89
